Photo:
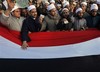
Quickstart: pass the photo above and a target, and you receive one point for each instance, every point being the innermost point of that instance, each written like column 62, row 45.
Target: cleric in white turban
column 84, row 8
column 94, row 9
column 11, row 17
column 79, row 23
column 94, row 19
column 31, row 24
column 51, row 19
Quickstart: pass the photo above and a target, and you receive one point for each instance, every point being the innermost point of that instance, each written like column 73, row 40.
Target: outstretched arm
column 24, row 35
column 5, row 15
column 11, row 5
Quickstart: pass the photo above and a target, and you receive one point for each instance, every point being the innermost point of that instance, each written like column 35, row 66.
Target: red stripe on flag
column 51, row 38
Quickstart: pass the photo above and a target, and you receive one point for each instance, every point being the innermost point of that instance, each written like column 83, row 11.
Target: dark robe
column 93, row 21
column 29, row 25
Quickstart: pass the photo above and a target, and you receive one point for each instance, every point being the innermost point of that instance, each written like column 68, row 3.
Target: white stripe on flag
column 9, row 49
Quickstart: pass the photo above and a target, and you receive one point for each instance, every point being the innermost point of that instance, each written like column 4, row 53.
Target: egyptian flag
column 76, row 51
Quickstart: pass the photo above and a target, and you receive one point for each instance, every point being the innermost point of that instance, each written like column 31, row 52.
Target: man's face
column 65, row 13
column 94, row 12
column 83, row 7
column 53, row 12
column 16, row 13
column 24, row 12
column 46, row 5
column 80, row 14
column 33, row 13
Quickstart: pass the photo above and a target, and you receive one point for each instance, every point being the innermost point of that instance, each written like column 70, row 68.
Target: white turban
column 79, row 9
column 65, row 9
column 52, row 1
column 50, row 7
column 84, row 3
column 31, row 7
column 16, row 7
column 94, row 6
column 66, row 3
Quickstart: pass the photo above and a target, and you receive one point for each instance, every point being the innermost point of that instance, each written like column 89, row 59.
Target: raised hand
column 41, row 18
column 11, row 4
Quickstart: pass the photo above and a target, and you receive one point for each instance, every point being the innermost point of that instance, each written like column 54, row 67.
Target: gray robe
column 12, row 22
column 50, row 23
column 79, row 24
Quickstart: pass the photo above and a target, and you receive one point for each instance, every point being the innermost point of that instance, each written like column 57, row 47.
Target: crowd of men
column 48, row 16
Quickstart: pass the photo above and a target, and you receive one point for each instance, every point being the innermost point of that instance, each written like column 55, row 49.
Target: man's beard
column 80, row 17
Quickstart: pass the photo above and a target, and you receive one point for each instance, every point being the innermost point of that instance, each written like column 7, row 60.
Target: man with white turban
column 30, row 24
column 84, row 8
column 59, row 8
column 79, row 23
column 51, row 19
column 93, row 19
column 11, row 17
column 65, row 22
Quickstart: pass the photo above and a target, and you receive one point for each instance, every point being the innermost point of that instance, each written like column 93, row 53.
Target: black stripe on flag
column 75, row 64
